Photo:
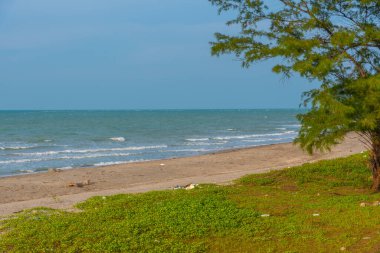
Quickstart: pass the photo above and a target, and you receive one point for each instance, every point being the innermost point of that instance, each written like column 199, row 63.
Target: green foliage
column 336, row 43
column 214, row 218
column 339, row 109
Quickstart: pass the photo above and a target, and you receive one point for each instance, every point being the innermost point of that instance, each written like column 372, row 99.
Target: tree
column 336, row 43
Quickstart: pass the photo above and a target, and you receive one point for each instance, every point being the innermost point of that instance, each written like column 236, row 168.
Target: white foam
column 65, row 168
column 265, row 140
column 21, row 161
column 65, row 158
column 293, row 125
column 199, row 139
column 205, row 143
column 109, row 163
column 16, row 147
column 117, row 162
column 189, row 150
column 39, row 153
column 252, row 135
column 118, row 139
column 199, row 144
column 90, row 156
column 83, row 151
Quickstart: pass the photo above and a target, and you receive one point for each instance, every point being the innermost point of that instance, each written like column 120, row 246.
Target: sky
column 127, row 54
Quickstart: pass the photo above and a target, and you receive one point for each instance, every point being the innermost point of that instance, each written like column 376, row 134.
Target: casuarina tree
column 335, row 43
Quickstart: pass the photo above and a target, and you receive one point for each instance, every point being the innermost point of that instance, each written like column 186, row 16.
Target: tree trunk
column 376, row 182
column 375, row 160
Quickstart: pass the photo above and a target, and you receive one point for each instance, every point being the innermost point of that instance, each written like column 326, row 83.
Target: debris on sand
column 79, row 184
column 186, row 187
column 190, row 186
column 364, row 204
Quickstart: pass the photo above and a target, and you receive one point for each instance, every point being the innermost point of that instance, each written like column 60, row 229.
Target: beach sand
column 52, row 189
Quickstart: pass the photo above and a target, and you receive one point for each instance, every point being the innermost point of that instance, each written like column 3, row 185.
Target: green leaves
column 325, row 124
column 334, row 42
column 339, row 109
column 343, row 38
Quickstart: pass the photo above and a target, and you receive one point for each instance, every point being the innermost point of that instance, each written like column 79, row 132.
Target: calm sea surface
column 34, row 141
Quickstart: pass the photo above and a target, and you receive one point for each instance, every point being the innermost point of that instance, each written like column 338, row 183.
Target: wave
column 117, row 162
column 202, row 143
column 83, row 151
column 20, row 161
column 266, row 140
column 189, row 150
column 109, row 163
column 47, row 168
column 252, row 135
column 118, row 139
column 206, row 143
column 64, row 158
column 89, row 156
column 65, row 168
column 24, row 171
column 199, row 139
column 293, row 125
column 17, row 147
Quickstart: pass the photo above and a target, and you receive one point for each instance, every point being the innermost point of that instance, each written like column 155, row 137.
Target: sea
column 36, row 141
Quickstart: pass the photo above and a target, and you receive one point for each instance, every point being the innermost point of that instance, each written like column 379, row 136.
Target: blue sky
column 127, row 54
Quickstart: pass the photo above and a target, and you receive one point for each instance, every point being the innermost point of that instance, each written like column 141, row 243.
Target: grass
column 312, row 208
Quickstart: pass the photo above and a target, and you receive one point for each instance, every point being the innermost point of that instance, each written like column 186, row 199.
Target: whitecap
column 206, row 143
column 188, row 150
column 293, row 125
column 265, row 140
column 118, row 139
column 197, row 139
column 65, row 158
column 199, row 144
column 16, row 147
column 65, row 168
column 83, row 151
column 89, row 156
column 21, row 161
column 109, row 163
column 117, row 162
column 252, row 135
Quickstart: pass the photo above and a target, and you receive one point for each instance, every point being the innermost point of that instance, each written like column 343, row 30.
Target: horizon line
column 160, row 109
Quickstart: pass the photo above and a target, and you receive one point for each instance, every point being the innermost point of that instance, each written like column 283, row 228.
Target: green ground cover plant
column 320, row 207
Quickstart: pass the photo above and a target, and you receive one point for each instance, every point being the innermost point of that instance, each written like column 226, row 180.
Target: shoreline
column 52, row 189
column 221, row 151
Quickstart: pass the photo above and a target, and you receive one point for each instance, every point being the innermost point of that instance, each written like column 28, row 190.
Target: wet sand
column 55, row 190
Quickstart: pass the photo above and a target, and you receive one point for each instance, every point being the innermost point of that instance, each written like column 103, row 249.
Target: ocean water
column 34, row 141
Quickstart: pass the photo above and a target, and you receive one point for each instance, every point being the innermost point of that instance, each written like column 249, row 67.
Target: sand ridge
column 51, row 189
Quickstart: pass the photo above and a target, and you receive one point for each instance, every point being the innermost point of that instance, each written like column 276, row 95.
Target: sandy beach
column 56, row 190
